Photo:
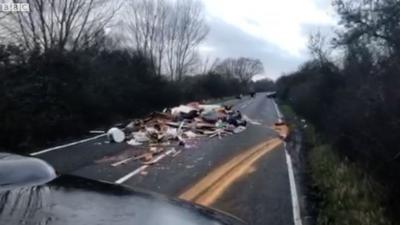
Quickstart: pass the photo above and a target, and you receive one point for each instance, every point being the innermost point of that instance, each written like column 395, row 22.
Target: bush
column 348, row 196
column 54, row 95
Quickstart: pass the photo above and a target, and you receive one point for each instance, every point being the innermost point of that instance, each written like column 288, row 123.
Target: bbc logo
column 14, row 7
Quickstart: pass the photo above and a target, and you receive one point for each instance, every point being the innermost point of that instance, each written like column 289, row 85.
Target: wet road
column 243, row 174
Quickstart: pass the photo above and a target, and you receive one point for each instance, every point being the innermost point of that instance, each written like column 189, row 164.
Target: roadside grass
column 347, row 195
column 288, row 112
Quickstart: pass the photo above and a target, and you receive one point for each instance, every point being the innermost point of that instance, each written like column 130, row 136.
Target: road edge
column 292, row 181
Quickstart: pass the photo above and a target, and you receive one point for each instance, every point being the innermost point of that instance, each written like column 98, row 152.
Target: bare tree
column 168, row 32
column 242, row 68
column 57, row 24
column 146, row 22
column 207, row 64
column 318, row 47
column 372, row 21
column 187, row 29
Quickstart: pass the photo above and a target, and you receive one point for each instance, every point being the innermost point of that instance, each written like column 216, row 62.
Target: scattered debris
column 271, row 94
column 97, row 132
column 178, row 126
column 116, row 135
column 140, row 136
column 282, row 129
column 239, row 129
column 147, row 158
column 133, row 142
column 144, row 172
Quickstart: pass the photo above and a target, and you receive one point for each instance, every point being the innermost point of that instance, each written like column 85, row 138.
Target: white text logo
column 14, row 7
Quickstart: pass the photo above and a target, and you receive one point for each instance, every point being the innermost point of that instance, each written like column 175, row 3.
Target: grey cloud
column 323, row 4
column 326, row 30
column 229, row 41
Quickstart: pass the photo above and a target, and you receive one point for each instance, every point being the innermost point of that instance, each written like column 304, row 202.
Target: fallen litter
column 133, row 142
column 189, row 166
column 97, row 132
column 144, row 173
column 116, row 135
column 160, row 133
column 282, row 129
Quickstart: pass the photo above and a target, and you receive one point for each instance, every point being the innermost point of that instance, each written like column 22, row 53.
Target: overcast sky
column 275, row 31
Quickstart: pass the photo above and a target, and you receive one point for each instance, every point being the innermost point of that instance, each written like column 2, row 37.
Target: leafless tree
column 147, row 21
column 208, row 64
column 187, row 29
column 57, row 24
column 318, row 47
column 242, row 68
column 168, row 32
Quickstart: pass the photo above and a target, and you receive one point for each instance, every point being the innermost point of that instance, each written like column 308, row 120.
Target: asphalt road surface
column 245, row 174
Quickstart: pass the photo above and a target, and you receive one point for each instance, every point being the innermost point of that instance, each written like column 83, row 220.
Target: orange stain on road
column 212, row 186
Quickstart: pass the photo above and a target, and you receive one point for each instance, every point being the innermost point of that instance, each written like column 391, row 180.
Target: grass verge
column 346, row 194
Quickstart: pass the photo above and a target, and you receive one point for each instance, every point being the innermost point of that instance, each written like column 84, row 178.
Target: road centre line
column 213, row 185
column 66, row 145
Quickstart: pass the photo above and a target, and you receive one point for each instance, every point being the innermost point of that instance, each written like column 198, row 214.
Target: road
column 245, row 174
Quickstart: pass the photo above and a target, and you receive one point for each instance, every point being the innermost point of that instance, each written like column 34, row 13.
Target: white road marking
column 251, row 121
column 243, row 104
column 247, row 103
column 292, row 183
column 97, row 132
column 176, row 153
column 131, row 174
column 141, row 168
column 240, row 105
column 122, row 161
column 67, row 145
column 293, row 190
column 278, row 113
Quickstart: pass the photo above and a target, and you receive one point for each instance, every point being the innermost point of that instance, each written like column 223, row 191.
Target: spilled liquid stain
column 214, row 184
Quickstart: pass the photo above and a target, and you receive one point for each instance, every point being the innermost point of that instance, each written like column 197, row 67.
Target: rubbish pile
column 178, row 126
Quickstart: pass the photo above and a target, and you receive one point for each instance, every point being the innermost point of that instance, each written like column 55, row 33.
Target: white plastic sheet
column 116, row 135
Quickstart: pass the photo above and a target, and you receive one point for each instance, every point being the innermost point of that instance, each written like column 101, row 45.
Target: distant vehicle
column 71, row 200
column 252, row 94
column 271, row 94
